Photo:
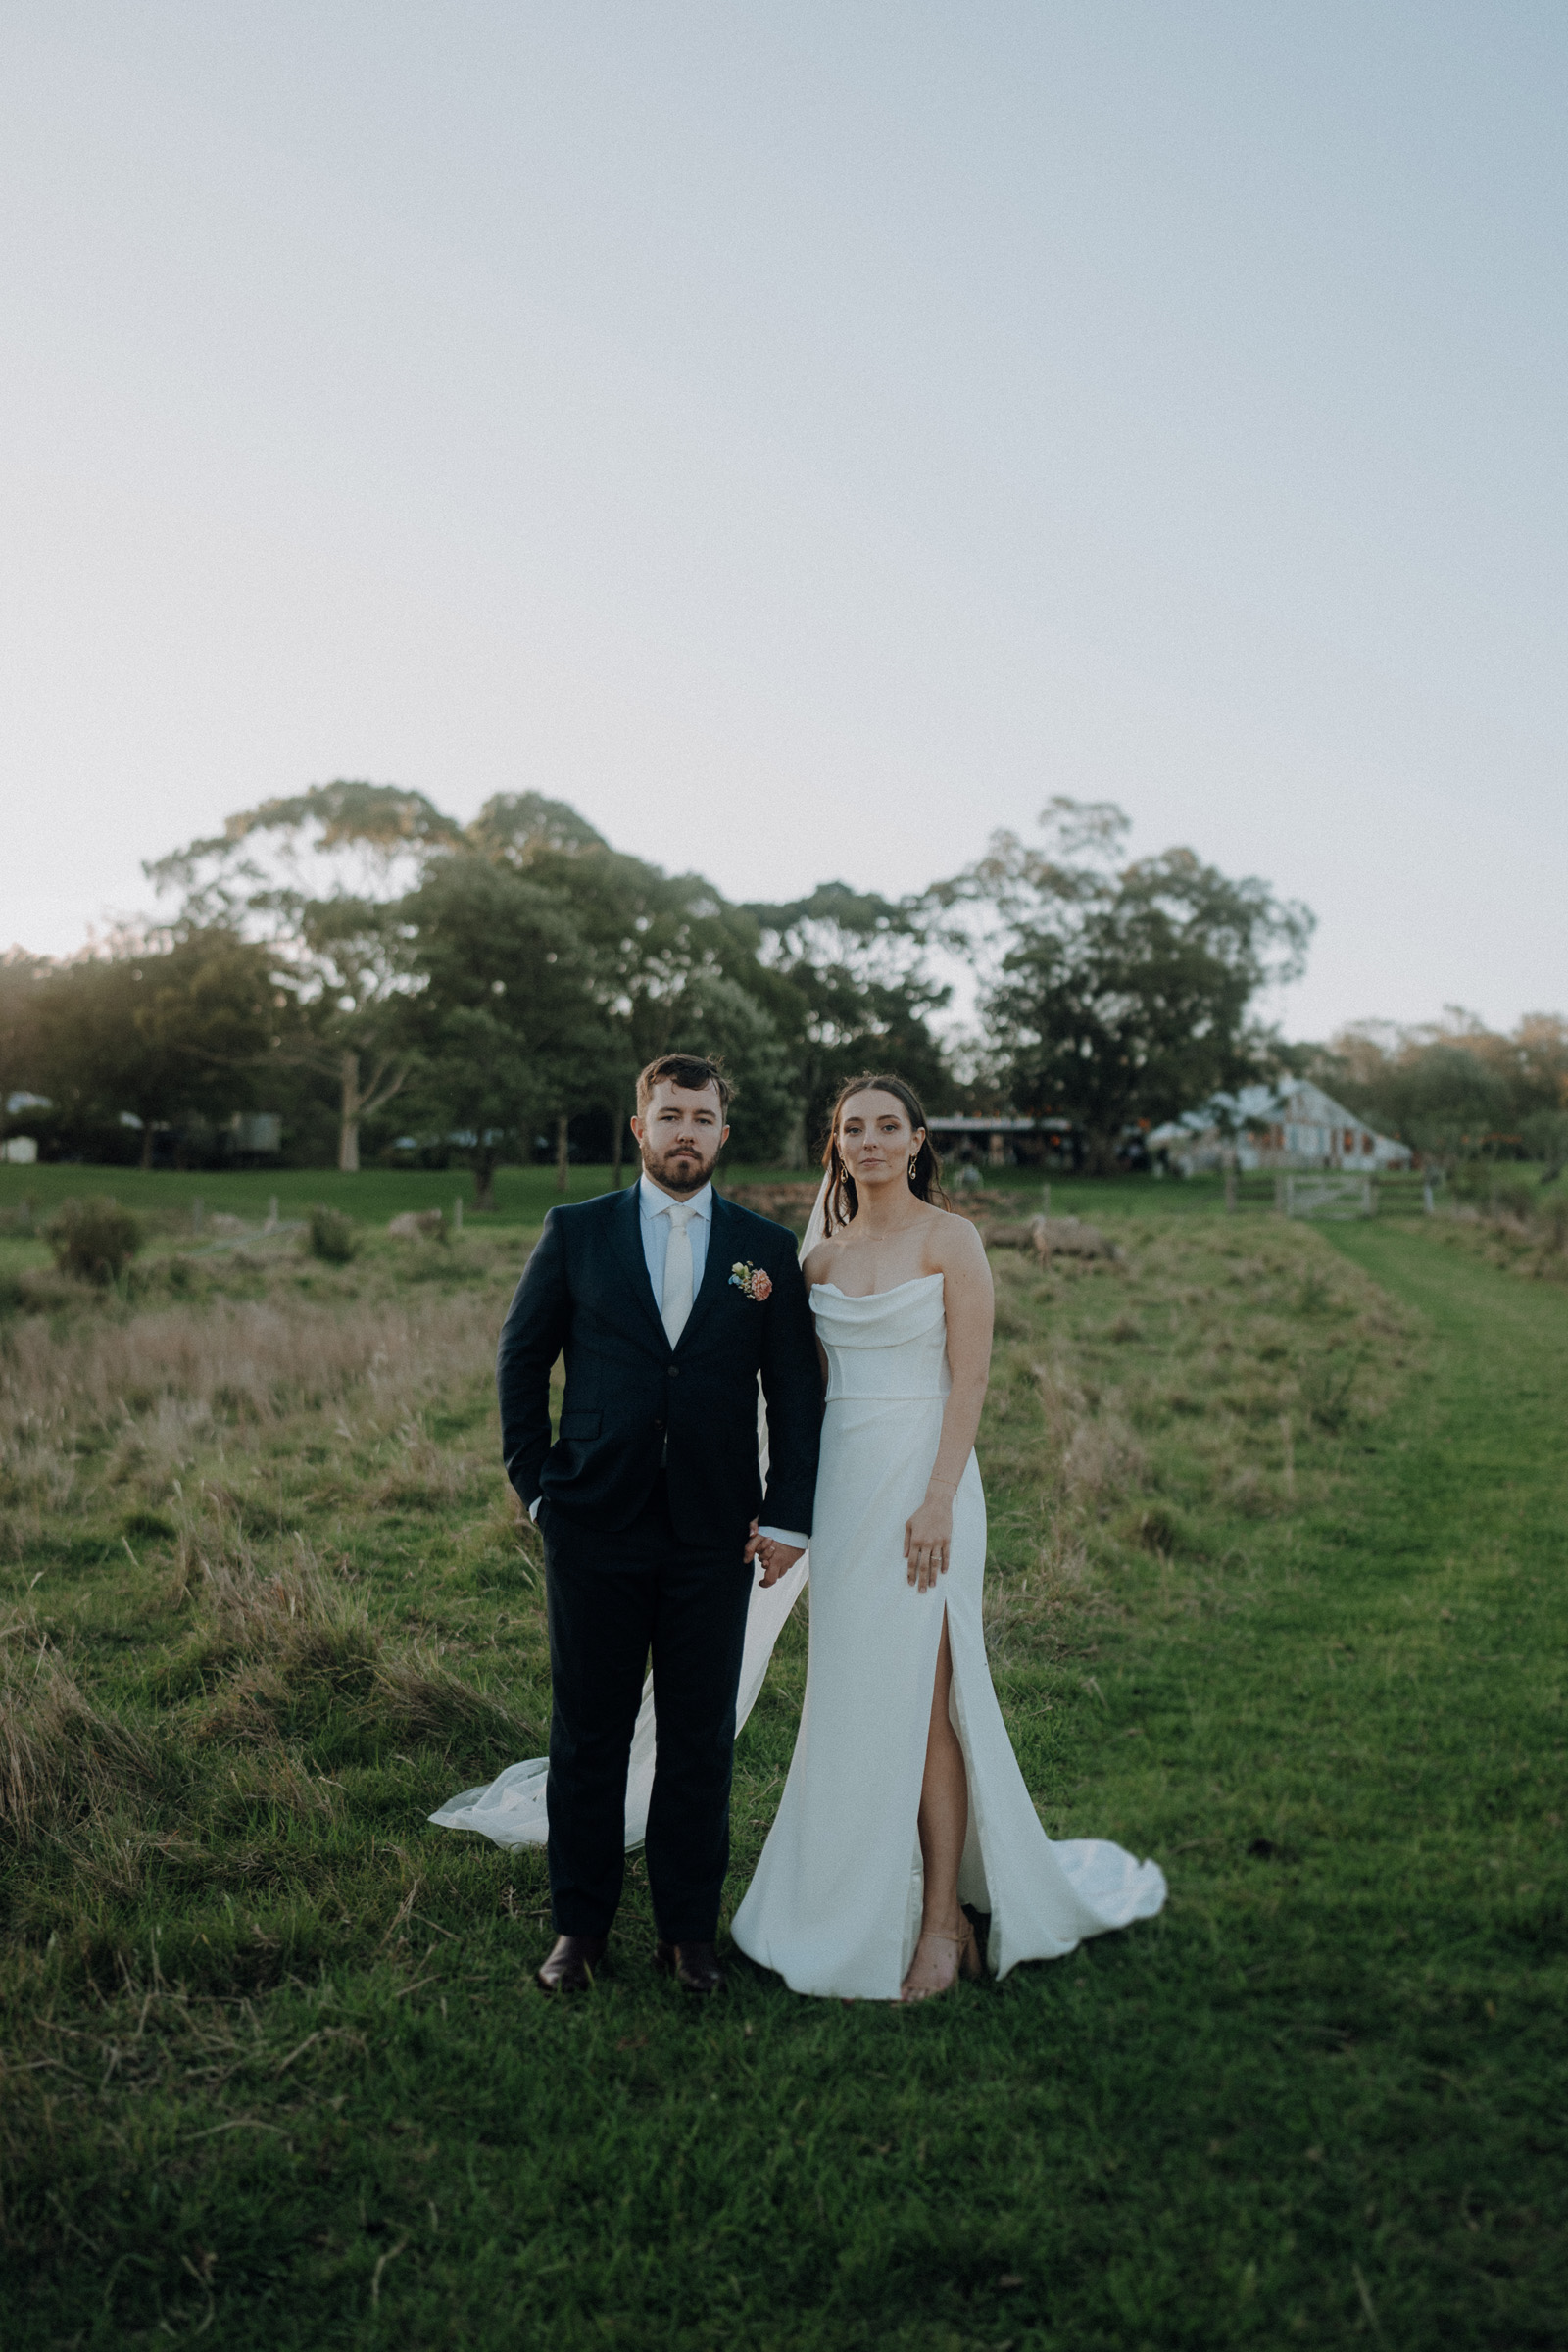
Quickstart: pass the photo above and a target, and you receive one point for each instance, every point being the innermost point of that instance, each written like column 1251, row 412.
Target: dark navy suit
column 648, row 1495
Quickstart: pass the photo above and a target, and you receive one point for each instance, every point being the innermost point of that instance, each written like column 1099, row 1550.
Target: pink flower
column 761, row 1286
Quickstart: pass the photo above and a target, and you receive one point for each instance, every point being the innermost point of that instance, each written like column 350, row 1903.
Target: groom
column 667, row 1302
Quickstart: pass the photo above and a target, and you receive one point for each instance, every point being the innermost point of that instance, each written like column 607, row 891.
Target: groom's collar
column 655, row 1199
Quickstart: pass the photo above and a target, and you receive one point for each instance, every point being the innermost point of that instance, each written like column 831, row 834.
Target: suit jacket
column 633, row 1403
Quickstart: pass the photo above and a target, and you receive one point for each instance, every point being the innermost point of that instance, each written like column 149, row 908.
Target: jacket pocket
column 578, row 1428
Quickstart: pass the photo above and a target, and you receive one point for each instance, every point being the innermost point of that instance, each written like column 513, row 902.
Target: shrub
column 331, row 1235
column 95, row 1239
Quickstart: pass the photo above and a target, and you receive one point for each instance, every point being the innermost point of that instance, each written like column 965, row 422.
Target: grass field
column 165, row 1198
column 1278, row 1523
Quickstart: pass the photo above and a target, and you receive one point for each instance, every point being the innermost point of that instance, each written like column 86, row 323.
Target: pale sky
column 804, row 437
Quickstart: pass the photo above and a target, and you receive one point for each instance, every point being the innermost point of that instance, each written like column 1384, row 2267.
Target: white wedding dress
column 835, row 1905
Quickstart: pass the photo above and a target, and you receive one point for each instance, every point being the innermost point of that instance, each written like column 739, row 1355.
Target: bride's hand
column 927, row 1540
column 777, row 1560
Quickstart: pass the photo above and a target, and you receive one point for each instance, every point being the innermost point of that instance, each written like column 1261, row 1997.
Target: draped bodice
column 892, row 1345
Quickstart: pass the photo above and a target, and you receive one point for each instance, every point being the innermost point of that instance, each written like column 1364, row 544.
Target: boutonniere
column 751, row 1282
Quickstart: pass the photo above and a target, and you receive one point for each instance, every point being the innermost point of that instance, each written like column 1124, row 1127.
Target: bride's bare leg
column 944, row 1822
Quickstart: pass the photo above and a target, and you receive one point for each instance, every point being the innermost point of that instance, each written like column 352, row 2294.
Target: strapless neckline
column 856, row 1296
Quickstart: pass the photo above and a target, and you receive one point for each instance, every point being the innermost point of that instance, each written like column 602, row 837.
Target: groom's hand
column 777, row 1560
column 753, row 1544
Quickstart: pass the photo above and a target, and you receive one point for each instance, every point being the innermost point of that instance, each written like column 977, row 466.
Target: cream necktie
column 676, row 1303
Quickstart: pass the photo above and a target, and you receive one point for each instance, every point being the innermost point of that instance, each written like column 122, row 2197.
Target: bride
column 905, row 1802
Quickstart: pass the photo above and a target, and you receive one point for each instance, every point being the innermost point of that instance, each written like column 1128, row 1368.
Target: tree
column 673, row 966
column 1125, row 991
column 161, row 1027
column 500, row 1018
column 339, row 881
column 347, row 978
column 22, row 978
column 1455, row 1090
column 716, row 1015
column 846, row 984
column 344, row 957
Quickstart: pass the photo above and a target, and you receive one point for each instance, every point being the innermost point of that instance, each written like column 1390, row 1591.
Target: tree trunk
column 562, row 1157
column 619, row 1147
column 348, row 1139
column 484, row 1180
column 147, row 1144
column 1100, row 1153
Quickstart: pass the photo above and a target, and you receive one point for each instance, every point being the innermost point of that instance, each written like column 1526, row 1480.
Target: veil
column 510, row 1809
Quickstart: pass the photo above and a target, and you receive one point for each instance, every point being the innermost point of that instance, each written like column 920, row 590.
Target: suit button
column 674, row 1370
column 658, row 1420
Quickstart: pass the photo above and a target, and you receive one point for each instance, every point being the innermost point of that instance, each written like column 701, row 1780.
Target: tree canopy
column 1125, row 991
column 390, row 978
column 1455, row 1090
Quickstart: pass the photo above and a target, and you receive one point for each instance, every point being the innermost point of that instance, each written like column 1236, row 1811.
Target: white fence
column 1328, row 1197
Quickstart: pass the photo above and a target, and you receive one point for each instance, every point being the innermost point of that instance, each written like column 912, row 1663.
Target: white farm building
column 1295, row 1125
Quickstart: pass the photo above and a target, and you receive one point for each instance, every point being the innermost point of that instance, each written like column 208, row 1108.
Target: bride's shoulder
column 952, row 1241
column 817, row 1264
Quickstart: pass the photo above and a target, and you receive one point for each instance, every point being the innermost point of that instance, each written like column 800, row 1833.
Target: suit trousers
column 614, row 1601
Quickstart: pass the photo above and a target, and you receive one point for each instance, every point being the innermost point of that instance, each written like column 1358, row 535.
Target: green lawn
column 1278, row 1525
column 164, row 1196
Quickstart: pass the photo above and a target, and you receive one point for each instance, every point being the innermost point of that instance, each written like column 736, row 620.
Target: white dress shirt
column 653, row 1206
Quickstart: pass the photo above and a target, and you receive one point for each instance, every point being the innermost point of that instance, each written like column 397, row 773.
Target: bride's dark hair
column 925, row 1172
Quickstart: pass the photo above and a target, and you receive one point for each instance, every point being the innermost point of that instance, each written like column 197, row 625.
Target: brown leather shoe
column 693, row 1965
column 572, row 1964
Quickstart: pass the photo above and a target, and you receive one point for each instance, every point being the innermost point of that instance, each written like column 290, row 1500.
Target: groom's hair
column 693, row 1071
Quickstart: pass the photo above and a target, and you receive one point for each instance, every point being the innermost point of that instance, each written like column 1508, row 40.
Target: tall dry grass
column 256, row 1359
column 137, row 1401
column 62, row 1760
column 1176, row 1380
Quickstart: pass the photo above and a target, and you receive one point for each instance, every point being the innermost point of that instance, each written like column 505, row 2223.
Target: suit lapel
column 627, row 1225
column 716, row 1273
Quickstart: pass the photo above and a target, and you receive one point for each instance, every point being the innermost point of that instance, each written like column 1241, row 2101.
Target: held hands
column 928, row 1537
column 777, row 1560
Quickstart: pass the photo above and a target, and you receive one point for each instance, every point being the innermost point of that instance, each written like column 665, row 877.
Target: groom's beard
column 680, row 1167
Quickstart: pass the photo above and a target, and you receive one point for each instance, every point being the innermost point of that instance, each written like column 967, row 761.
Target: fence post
column 271, row 1215
column 1230, row 1192
column 457, row 1214
column 197, row 1213
column 1045, row 1195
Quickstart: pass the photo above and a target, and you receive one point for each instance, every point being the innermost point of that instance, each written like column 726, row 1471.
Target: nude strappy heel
column 968, row 1963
